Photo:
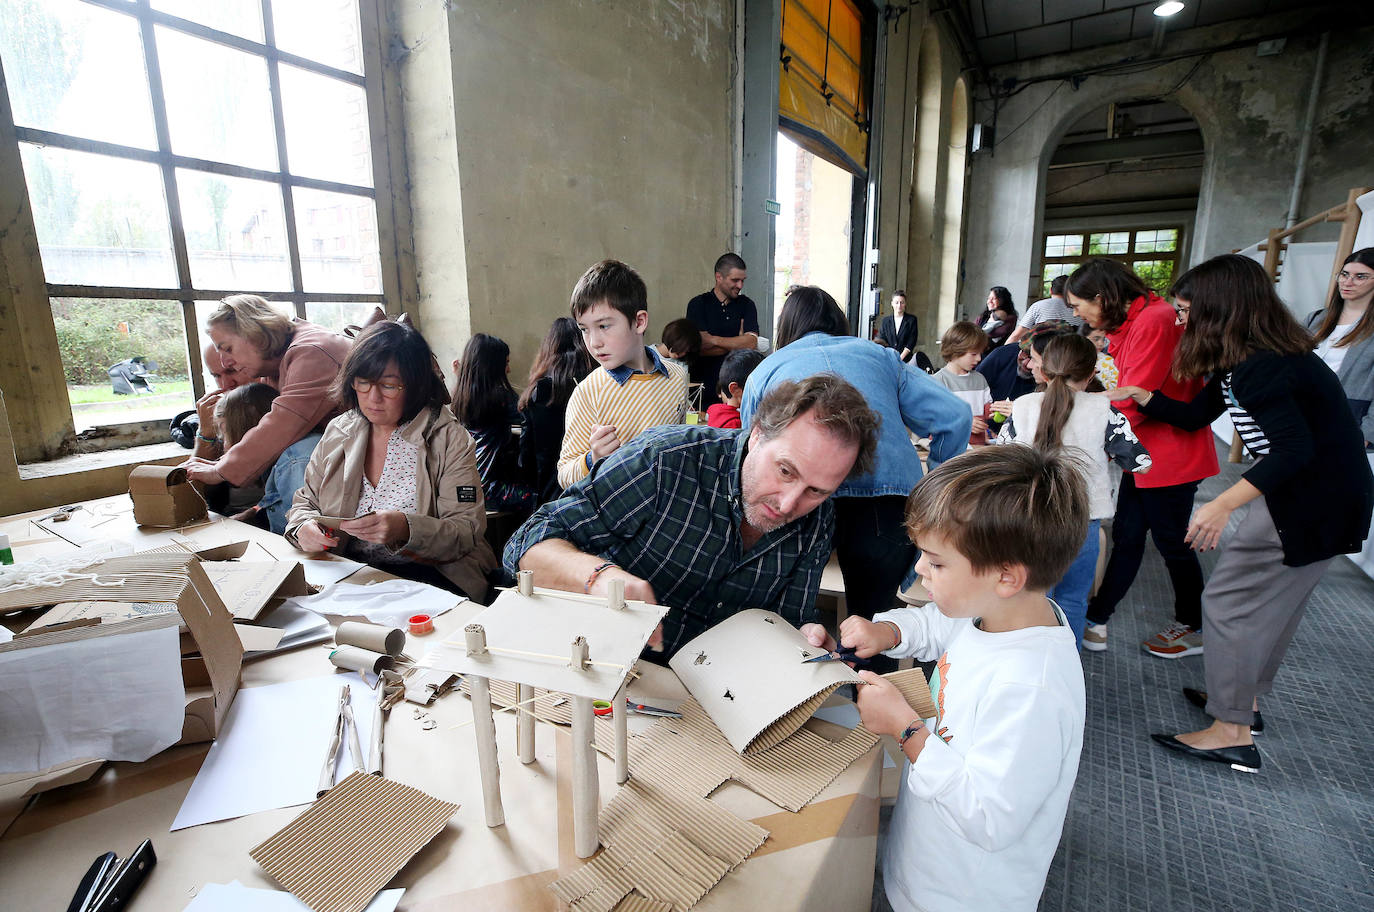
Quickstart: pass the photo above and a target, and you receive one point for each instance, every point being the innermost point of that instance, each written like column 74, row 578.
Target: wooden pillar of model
column 484, row 727
column 616, row 601
column 524, row 693
column 586, row 787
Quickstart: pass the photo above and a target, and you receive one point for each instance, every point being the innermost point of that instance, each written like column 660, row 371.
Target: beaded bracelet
column 587, row 586
column 200, row 436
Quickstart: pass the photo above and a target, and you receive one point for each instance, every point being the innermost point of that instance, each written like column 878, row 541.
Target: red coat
column 722, row 415
column 1143, row 348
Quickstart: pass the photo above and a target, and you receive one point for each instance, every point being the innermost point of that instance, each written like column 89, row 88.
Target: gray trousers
column 1250, row 609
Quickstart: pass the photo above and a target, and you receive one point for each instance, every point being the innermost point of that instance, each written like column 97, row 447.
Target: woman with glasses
column 1345, row 336
column 1142, row 333
column 256, row 341
column 1306, row 498
column 400, row 465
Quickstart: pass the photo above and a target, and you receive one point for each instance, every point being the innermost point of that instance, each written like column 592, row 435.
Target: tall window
column 1152, row 252
column 177, row 151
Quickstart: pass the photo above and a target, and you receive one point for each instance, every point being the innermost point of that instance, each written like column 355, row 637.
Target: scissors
column 839, row 654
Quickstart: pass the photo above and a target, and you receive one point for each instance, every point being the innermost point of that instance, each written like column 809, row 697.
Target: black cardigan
column 1315, row 479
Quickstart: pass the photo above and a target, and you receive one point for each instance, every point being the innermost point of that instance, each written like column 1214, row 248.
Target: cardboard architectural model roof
column 748, row 673
column 530, row 639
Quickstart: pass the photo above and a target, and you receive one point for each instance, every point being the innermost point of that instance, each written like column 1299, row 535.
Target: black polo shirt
column 711, row 316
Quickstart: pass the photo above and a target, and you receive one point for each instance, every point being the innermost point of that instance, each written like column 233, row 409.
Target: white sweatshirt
column 980, row 812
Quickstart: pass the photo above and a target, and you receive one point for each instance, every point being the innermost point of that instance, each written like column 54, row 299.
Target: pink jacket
column 306, row 373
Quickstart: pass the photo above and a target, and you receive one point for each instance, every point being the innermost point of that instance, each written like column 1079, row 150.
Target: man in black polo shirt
column 727, row 319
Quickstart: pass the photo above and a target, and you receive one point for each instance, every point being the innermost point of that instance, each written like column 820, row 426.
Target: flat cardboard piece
column 212, row 678
column 748, row 673
column 340, row 852
column 258, row 639
column 164, row 498
column 662, row 843
column 249, row 587
column 547, row 623
column 88, row 612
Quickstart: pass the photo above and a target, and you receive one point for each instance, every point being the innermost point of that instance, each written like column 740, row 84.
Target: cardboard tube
column 621, row 709
column 586, row 798
column 524, row 724
column 374, row 750
column 353, row 658
column 524, row 580
column 616, row 597
column 475, row 639
column 578, row 658
column 372, row 637
column 484, row 727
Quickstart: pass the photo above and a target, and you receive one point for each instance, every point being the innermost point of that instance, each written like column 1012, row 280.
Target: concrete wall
column 1250, row 110
column 542, row 137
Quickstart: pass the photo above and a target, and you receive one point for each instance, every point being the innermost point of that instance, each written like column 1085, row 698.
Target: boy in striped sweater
column 634, row 389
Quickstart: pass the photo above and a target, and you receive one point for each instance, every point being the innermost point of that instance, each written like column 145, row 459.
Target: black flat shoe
column 1243, row 758
column 1199, row 699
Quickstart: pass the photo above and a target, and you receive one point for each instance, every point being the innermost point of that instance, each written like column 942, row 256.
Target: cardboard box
column 163, row 497
column 211, row 676
column 247, row 588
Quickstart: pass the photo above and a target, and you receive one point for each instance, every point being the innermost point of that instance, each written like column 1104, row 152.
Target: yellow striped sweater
column 644, row 401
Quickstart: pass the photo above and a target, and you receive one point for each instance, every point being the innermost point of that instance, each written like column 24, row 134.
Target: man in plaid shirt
column 710, row 521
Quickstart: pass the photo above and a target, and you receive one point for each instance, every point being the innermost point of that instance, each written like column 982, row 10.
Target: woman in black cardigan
column 1308, row 497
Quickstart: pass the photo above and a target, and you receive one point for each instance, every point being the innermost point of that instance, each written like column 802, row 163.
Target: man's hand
column 867, row 638
column 1002, row 407
column 636, row 590
column 882, row 707
column 817, row 635
column 386, row 527
column 313, row 538
column 204, row 471
column 205, row 411
column 604, row 441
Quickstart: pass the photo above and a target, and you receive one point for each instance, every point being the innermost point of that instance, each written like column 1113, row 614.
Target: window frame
column 1084, row 235
column 185, row 292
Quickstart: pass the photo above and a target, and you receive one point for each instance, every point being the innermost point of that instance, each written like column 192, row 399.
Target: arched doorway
column 1124, row 183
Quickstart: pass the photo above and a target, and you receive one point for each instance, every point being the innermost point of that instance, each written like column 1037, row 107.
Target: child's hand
column 604, row 441
column 979, row 425
column 817, row 636
column 882, row 707
column 865, row 637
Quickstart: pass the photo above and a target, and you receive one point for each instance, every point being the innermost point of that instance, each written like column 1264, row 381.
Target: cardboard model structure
column 163, row 497
column 748, row 672
column 579, row 645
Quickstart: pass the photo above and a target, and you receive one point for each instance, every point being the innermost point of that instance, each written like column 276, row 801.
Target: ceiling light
column 1168, row 8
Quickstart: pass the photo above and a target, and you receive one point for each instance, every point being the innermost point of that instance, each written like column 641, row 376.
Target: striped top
column 1251, row 434
column 641, row 402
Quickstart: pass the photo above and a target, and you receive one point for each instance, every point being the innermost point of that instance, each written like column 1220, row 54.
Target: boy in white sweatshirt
column 987, row 783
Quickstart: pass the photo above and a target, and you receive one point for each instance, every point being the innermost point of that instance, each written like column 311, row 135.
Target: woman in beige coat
column 400, row 465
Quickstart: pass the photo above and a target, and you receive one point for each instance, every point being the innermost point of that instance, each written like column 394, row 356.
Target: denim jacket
column 905, row 397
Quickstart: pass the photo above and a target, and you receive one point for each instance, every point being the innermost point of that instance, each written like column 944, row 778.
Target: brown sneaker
column 1174, row 642
column 1095, row 637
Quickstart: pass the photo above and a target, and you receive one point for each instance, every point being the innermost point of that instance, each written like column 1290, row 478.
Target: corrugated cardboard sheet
column 665, row 844
column 339, row 853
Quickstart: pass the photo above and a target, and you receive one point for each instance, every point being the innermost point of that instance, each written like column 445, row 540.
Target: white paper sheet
column 5, row 635
column 391, row 602
column 299, row 626
column 116, row 697
column 320, row 572
column 235, row 897
column 271, row 748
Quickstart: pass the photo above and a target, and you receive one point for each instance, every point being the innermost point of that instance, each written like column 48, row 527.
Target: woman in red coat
column 1142, row 333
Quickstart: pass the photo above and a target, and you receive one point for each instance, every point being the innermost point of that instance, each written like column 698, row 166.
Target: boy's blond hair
column 961, row 338
column 1006, row 505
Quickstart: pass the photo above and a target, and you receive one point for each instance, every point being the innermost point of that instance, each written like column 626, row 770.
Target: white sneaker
column 1095, row 638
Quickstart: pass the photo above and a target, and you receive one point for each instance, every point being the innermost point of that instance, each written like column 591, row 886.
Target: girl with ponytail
column 1061, row 416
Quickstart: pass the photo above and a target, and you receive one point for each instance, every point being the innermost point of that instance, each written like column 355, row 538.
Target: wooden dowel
column 524, row 726
column 586, row 800
column 544, row 655
column 487, row 764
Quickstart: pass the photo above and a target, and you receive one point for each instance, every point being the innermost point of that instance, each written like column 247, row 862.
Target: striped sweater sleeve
column 572, row 457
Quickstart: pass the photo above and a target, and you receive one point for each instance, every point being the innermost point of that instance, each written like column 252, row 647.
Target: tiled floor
column 1149, row 829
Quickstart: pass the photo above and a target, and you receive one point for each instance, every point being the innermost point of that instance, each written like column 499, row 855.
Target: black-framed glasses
column 388, row 390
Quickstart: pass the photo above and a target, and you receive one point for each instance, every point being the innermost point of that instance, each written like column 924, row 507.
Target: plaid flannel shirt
column 667, row 507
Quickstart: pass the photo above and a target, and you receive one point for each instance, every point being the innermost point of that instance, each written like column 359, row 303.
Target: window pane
column 1114, row 242
column 325, row 31
column 1155, row 273
column 1145, row 241
column 218, row 104
column 77, row 69
column 338, row 316
column 97, row 337
column 235, row 232
column 1166, row 239
column 237, row 17
column 100, row 220
column 326, row 128
column 337, row 233
column 1060, row 245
